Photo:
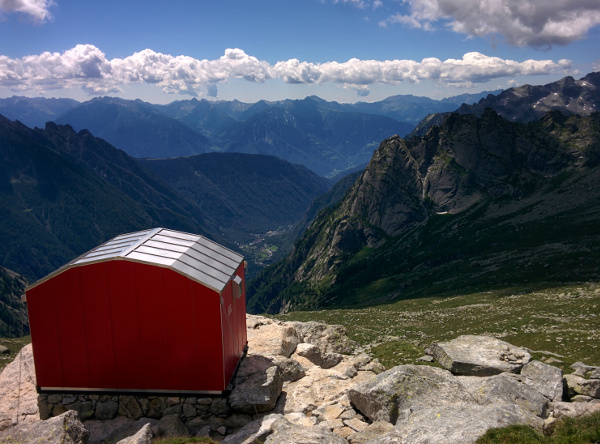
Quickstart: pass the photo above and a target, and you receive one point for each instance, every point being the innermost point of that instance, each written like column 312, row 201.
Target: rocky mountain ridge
column 423, row 194
column 528, row 103
column 307, row 382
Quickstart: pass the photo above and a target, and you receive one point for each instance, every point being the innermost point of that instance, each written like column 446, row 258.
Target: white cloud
column 38, row 10
column 87, row 67
column 537, row 23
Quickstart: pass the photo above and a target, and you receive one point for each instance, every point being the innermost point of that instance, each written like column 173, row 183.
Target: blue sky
column 345, row 50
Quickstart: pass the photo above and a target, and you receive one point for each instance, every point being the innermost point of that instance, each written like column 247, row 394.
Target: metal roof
column 194, row 256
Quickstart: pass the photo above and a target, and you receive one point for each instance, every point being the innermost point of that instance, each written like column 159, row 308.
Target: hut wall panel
column 181, row 340
column 152, row 325
column 97, row 319
column 44, row 336
column 124, row 324
column 69, row 323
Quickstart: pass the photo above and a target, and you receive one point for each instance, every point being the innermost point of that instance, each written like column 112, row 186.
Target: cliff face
column 466, row 163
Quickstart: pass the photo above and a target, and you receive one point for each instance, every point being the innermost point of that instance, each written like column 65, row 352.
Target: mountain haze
column 136, row 128
column 244, row 194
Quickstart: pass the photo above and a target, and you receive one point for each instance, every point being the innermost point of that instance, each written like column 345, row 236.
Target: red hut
column 156, row 311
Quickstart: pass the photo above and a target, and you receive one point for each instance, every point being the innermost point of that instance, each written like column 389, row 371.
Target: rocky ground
column 307, row 382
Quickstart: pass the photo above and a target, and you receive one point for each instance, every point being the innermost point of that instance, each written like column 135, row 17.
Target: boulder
column 314, row 354
column 144, row 436
column 581, row 369
column 18, row 396
column 404, row 388
column 253, row 432
column 4, row 350
column 329, row 338
column 257, row 386
column 459, row 423
column 286, row 432
column 578, row 385
column 271, row 338
column 291, row 370
column 544, row 378
column 63, row 429
column 479, row 356
column 575, row 409
column 505, row 388
column 116, row 429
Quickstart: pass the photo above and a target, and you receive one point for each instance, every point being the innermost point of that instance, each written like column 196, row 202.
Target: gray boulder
column 329, row 338
column 286, row 432
column 505, row 388
column 63, row 429
column 258, row 384
column 314, row 354
column 267, row 337
column 544, row 378
column 479, row 356
column 253, row 432
column 291, row 370
column 459, row 423
column 116, row 429
column 578, row 385
column 389, row 395
column 144, row 436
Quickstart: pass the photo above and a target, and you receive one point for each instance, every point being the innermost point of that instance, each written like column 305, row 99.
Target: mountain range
column 330, row 138
column 490, row 196
column 476, row 203
column 528, row 103
column 64, row 192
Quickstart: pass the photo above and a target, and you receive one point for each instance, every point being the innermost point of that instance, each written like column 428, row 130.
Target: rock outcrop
column 62, row 429
column 479, row 356
column 287, row 390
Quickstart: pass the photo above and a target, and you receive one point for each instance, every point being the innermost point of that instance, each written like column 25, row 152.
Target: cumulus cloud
column 87, row 67
column 38, row 10
column 536, row 23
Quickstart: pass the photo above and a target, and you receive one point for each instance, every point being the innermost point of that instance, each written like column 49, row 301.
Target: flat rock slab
column 62, row 429
column 460, row 423
column 406, row 388
column 479, row 356
column 286, row 432
column 505, row 388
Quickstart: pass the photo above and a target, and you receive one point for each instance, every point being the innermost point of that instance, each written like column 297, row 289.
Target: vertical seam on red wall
column 137, row 314
column 85, row 338
column 111, row 331
column 58, row 341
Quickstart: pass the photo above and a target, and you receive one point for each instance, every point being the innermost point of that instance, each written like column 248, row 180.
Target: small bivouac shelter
column 156, row 311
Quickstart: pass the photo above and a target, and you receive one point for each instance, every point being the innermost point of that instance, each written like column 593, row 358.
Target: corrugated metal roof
column 192, row 255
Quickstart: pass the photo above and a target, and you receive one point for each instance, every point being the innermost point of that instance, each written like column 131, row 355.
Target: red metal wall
column 233, row 319
column 126, row 325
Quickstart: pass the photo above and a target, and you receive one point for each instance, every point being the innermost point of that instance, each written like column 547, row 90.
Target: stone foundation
column 194, row 412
